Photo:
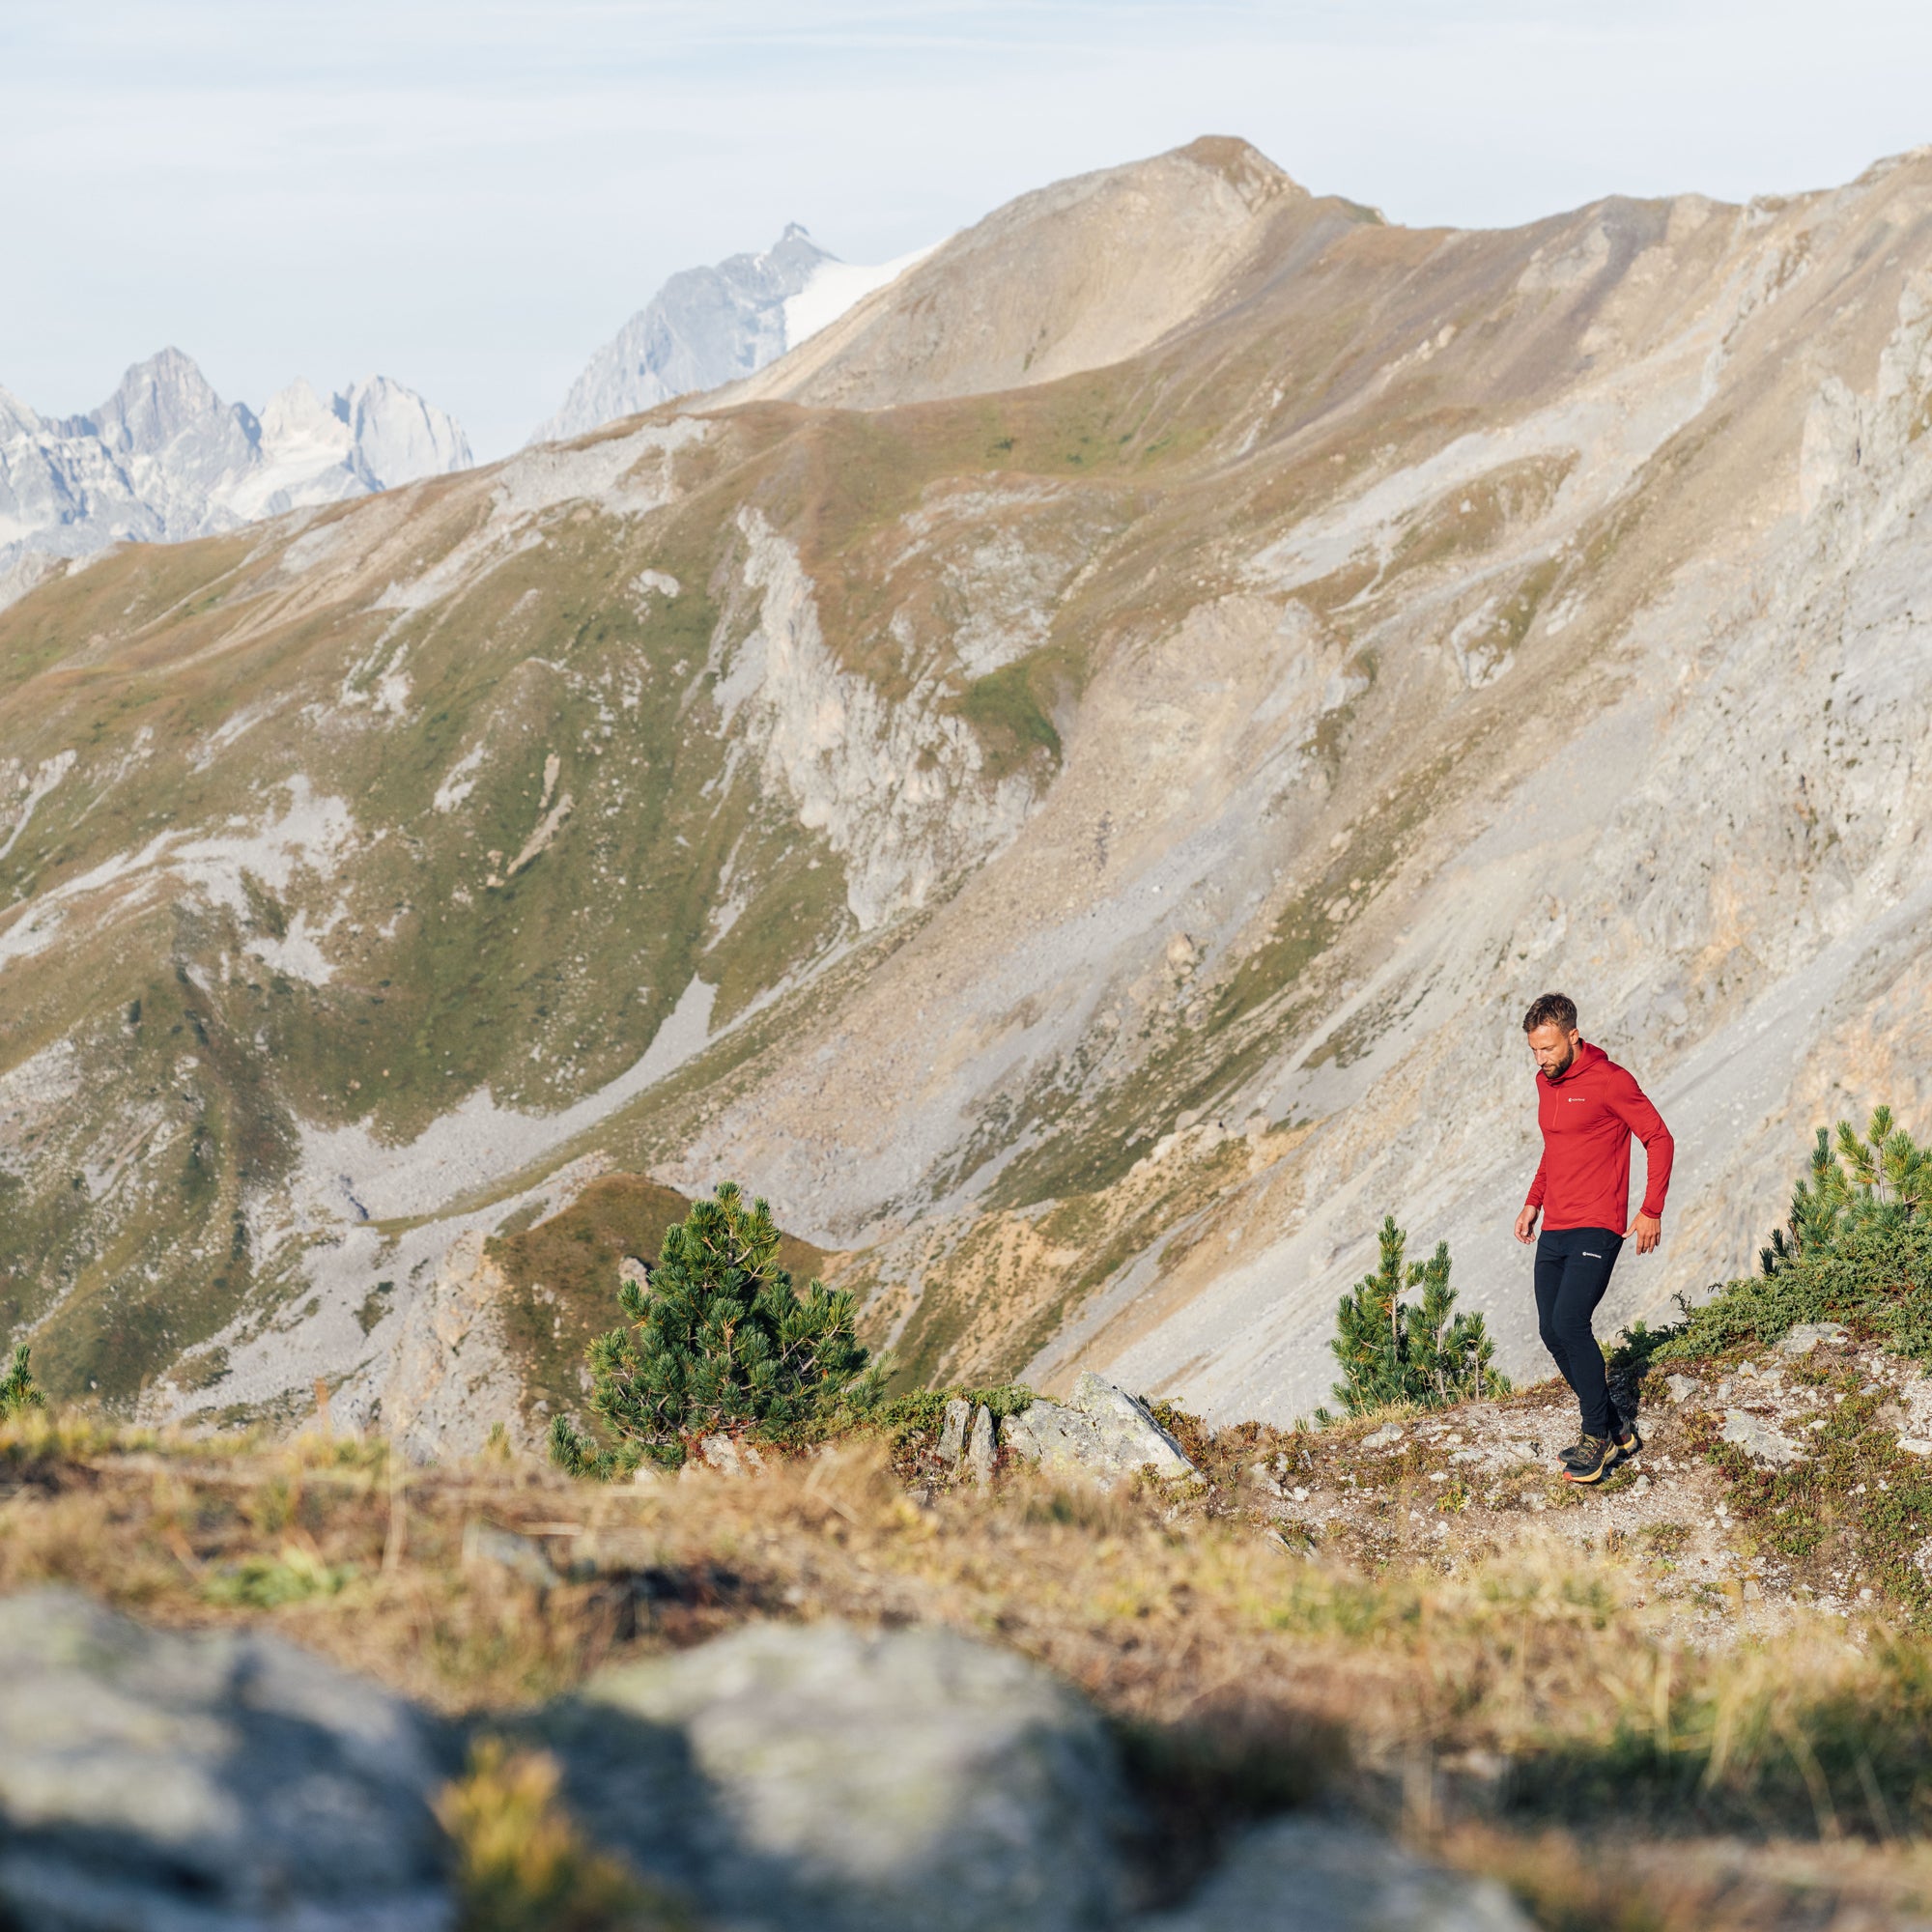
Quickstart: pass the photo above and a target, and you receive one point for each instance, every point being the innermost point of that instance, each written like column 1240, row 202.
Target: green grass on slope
column 541, row 985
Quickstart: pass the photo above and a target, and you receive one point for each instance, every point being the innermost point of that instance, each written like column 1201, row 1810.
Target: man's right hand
column 1525, row 1226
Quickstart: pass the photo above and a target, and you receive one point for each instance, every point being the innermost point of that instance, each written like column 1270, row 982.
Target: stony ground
column 1669, row 1702
column 1454, row 1488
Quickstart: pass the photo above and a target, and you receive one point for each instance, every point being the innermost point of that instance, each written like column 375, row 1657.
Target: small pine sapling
column 1368, row 1331
column 1393, row 1351
column 18, row 1391
column 717, row 1340
column 1877, row 1184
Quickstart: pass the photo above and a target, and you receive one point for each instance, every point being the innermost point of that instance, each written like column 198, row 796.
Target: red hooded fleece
column 1587, row 1118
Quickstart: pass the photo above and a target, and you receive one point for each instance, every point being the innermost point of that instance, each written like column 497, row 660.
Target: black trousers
column 1573, row 1269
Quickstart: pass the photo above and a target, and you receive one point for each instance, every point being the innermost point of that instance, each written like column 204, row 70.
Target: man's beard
column 1563, row 1066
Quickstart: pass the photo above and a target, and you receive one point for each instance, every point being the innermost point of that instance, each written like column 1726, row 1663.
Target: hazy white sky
column 470, row 195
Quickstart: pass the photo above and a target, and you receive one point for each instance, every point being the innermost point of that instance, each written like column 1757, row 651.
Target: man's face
column 1554, row 1049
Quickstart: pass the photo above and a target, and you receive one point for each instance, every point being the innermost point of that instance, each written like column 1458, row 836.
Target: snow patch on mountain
column 837, row 286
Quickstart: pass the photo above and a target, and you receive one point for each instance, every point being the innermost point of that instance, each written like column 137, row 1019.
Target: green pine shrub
column 1876, row 1184
column 1856, row 1249
column 1393, row 1351
column 719, row 1341
column 18, row 1390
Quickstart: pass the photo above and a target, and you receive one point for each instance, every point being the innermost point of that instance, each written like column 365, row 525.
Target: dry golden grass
column 521, row 1863
column 1525, row 1694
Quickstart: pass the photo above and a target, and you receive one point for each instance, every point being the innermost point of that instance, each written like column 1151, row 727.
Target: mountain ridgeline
column 1064, row 783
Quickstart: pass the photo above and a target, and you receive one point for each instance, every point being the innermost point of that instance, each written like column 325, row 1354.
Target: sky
column 471, row 195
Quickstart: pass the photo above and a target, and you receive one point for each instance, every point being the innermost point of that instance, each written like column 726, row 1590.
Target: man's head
column 1550, row 1028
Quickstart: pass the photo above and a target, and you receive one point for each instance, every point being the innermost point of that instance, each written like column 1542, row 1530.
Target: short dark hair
column 1558, row 1010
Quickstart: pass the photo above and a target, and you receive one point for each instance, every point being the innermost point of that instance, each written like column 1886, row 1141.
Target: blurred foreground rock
column 152, row 1782
column 1311, row 1875
column 819, row 1776
column 782, row 1778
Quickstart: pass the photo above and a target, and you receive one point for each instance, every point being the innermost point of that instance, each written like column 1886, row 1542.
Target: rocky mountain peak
column 1242, row 165
column 704, row 327
column 397, row 435
column 1069, row 277
column 155, row 402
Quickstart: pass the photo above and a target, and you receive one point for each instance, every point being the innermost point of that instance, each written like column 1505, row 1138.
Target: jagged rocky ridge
column 164, row 458
column 1078, row 837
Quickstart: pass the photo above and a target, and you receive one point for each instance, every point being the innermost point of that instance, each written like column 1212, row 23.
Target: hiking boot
column 1596, row 1456
column 1623, row 1433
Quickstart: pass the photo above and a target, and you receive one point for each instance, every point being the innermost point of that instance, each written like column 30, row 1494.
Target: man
column 1588, row 1108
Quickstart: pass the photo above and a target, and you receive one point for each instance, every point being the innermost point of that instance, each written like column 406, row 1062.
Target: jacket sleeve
column 1538, row 1187
column 1631, row 1106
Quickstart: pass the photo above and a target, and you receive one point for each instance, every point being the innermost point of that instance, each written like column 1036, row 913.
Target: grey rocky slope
column 164, row 458
column 1079, row 840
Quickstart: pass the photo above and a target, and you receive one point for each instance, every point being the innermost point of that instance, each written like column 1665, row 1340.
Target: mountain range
column 1066, row 781
column 164, row 459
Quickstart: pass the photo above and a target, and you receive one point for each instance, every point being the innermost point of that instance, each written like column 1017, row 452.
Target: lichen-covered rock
column 1102, row 1434
column 823, row 1778
column 1803, row 1339
column 1758, row 1439
column 1310, row 1875
column 205, row 1783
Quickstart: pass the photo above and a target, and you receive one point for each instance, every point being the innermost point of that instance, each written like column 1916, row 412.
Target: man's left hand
column 1648, row 1230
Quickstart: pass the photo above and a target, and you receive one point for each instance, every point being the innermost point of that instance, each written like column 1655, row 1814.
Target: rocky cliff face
column 1066, row 784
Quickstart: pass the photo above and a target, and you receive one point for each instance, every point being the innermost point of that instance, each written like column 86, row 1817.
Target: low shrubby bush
column 266, row 1582
column 1870, row 1186
column 1856, row 1249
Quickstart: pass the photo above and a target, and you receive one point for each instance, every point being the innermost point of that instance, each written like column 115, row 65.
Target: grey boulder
column 958, row 1419
column 982, row 1452
column 152, row 1782
column 1311, row 1875
column 794, row 1776
column 1102, row 1434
